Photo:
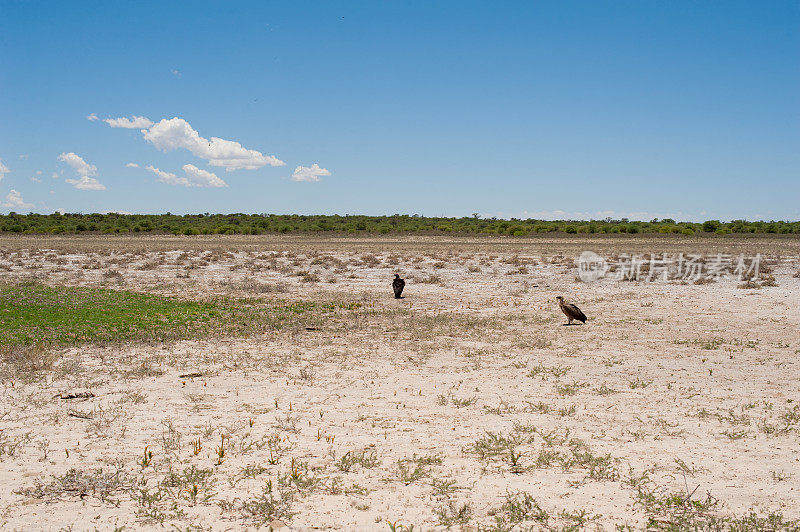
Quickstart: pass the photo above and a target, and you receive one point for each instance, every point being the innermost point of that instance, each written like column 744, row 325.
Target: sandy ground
column 428, row 411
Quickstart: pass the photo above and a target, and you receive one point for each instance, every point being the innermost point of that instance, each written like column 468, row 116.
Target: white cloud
column 86, row 183
column 92, row 117
column 166, row 177
column 77, row 163
column 14, row 201
column 195, row 177
column 84, row 171
column 132, row 165
column 177, row 133
column 3, row 170
column 55, row 175
column 305, row 173
column 134, row 122
column 36, row 179
column 202, row 178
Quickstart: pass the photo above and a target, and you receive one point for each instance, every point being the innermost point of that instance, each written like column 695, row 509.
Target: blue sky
column 642, row 109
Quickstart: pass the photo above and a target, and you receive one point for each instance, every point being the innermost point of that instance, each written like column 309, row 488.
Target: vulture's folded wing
column 575, row 313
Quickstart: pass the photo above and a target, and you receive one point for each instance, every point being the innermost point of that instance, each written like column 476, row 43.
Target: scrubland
column 232, row 382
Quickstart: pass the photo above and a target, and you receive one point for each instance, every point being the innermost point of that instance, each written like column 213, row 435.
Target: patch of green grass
column 57, row 315
column 36, row 313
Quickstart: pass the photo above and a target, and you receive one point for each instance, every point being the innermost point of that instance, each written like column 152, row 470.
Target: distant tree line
column 253, row 224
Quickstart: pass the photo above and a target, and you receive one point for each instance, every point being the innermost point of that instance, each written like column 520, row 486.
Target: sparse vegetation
column 206, row 224
column 240, row 400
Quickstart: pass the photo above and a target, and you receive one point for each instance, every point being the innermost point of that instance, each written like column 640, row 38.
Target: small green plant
column 567, row 411
column 543, row 371
column 603, row 389
column 467, row 401
column 452, row 514
column 299, row 478
column 277, row 447
column 266, row 506
column 639, row 383
column 538, row 407
column 501, row 409
column 147, row 458
column 570, row 389
column 516, row 509
column 514, row 456
column 443, row 487
column 735, row 434
column 397, row 527
column 365, row 458
column 416, row 467
column 220, row 450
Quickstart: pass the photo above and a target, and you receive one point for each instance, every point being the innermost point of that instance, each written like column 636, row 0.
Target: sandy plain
column 466, row 405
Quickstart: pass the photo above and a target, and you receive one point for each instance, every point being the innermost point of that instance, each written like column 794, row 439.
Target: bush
column 254, row 223
column 687, row 231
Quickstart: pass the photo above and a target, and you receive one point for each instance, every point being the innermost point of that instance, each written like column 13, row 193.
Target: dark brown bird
column 572, row 312
column 397, row 285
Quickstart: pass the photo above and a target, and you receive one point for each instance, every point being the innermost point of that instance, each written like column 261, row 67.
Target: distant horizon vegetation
column 239, row 223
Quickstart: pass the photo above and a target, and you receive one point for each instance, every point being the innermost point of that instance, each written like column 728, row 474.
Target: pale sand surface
column 695, row 385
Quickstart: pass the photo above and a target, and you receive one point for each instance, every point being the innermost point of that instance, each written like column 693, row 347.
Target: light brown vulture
column 397, row 285
column 572, row 312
